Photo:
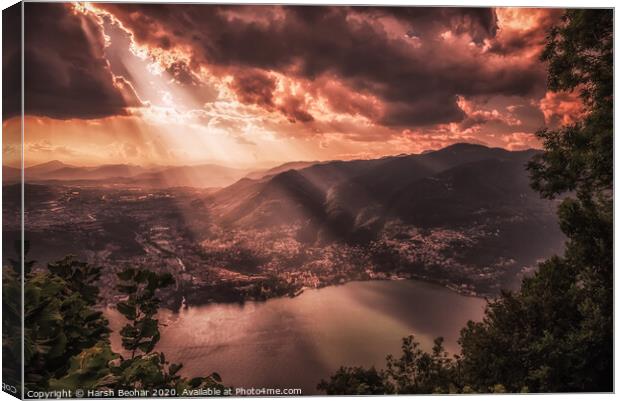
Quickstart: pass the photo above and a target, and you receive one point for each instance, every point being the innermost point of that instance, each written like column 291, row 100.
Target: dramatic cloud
column 478, row 115
column 153, row 83
column 417, row 60
column 255, row 87
column 524, row 30
column 66, row 72
column 561, row 108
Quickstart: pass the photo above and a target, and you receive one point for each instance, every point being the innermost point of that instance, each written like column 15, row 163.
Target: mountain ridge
column 321, row 173
column 363, row 193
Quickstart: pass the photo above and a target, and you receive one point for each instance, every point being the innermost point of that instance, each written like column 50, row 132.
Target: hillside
column 257, row 175
column 465, row 214
column 460, row 179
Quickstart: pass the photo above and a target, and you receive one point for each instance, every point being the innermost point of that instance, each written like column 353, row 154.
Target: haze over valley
column 463, row 216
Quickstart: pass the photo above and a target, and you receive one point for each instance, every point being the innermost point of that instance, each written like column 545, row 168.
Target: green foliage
column 140, row 308
column 16, row 264
column 556, row 333
column 60, row 319
column 81, row 276
column 414, row 372
column 579, row 157
column 525, row 339
column 89, row 370
column 97, row 367
column 419, row 372
column 66, row 340
column 354, row 381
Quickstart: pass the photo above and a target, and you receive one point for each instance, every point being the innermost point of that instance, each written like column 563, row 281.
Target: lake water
column 296, row 342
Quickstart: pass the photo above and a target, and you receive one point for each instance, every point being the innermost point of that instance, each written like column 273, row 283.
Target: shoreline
column 448, row 286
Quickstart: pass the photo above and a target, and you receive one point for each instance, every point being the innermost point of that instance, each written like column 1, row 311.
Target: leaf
column 127, row 289
column 174, row 368
column 126, row 310
column 126, row 275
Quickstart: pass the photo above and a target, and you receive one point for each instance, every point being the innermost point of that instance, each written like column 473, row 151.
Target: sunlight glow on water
column 296, row 342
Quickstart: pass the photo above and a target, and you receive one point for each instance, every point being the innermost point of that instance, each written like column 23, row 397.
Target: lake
column 296, row 342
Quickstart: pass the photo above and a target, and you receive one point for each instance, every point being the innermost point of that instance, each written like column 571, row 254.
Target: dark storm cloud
column 182, row 74
column 432, row 109
column 293, row 108
column 418, row 85
column 480, row 23
column 254, row 87
column 66, row 72
column 516, row 42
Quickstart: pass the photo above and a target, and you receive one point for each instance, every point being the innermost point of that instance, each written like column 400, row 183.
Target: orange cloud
column 520, row 141
column 561, row 108
column 257, row 84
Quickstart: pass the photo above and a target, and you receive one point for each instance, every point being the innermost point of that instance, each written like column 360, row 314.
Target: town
column 173, row 230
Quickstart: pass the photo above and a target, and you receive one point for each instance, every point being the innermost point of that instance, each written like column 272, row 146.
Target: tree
column 354, row 381
column 140, row 308
column 60, row 319
column 419, row 372
column 99, row 368
column 66, row 340
column 414, row 372
column 524, row 342
column 556, row 333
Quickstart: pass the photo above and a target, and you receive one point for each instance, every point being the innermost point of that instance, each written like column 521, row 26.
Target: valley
column 463, row 217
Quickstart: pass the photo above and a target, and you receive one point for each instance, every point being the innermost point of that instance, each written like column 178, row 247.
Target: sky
column 158, row 84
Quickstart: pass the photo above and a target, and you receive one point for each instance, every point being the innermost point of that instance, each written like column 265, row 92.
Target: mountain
column 12, row 174
column 454, row 185
column 202, row 176
column 285, row 198
column 206, row 175
column 45, row 168
column 90, row 173
column 397, row 172
column 257, row 175
column 396, row 177
column 465, row 210
column 57, row 170
column 466, row 193
column 259, row 202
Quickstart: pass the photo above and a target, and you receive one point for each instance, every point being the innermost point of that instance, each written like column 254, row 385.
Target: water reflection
column 295, row 342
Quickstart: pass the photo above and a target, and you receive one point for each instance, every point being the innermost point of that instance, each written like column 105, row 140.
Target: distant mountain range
column 205, row 175
column 465, row 212
column 455, row 188
column 457, row 183
column 451, row 183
